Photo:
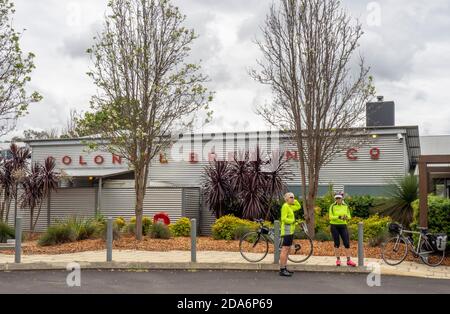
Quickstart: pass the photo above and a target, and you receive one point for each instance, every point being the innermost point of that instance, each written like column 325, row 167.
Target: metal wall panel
column 120, row 202
column 191, row 204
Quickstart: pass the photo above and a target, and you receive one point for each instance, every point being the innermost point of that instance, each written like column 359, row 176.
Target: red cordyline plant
column 38, row 185
column 32, row 192
column 6, row 183
column 217, row 187
column 13, row 172
column 247, row 186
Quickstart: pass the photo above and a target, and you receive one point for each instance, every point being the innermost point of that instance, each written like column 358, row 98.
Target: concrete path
column 208, row 260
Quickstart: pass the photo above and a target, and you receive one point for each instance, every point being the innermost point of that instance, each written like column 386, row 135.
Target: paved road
column 200, row 282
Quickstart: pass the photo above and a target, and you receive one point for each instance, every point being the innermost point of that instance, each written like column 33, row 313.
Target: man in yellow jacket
column 288, row 210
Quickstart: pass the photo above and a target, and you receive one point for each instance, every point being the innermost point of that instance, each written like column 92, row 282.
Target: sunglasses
column 291, row 197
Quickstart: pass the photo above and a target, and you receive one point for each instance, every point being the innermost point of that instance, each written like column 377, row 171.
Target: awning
column 98, row 173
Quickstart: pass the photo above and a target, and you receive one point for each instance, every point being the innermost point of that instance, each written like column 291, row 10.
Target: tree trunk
column 2, row 211
column 48, row 209
column 37, row 217
column 7, row 205
column 31, row 220
column 139, row 207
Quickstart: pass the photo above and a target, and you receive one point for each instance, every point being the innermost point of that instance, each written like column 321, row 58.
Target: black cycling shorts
column 340, row 231
column 288, row 240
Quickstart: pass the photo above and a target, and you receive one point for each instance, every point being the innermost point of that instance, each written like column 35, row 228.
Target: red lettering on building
column 193, row 158
column 99, row 160
column 82, row 162
column 375, row 153
column 351, row 154
column 291, row 155
column 67, row 160
column 116, row 159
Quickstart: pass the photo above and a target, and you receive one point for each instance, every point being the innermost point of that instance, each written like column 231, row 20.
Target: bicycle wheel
column 254, row 246
column 429, row 255
column 301, row 249
column 394, row 251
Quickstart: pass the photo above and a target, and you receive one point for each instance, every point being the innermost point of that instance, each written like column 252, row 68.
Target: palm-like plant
column 402, row 193
column 32, row 192
column 217, row 187
column 49, row 180
column 245, row 187
column 18, row 164
column 6, row 182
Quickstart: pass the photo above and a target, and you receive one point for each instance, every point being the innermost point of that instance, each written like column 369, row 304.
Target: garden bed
column 179, row 244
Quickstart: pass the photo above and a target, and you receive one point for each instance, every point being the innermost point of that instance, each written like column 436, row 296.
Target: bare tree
column 70, row 130
column 308, row 50
column 146, row 90
column 15, row 70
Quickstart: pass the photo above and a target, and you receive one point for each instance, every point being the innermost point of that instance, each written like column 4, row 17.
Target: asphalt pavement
column 215, row 282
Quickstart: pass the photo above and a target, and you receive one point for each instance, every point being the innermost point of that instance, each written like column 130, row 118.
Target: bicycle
column 254, row 245
column 395, row 250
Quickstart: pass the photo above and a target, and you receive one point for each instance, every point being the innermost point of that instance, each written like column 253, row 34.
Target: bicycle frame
column 410, row 243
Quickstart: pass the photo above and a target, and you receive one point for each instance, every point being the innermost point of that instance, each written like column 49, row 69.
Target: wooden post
column 423, row 194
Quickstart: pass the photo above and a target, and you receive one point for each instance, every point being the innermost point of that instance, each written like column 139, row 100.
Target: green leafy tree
column 15, row 70
column 147, row 92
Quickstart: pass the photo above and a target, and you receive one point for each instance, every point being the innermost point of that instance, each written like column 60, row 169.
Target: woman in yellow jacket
column 339, row 215
column 290, row 206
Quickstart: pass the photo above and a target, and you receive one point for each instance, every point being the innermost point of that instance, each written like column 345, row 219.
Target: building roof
column 93, row 172
column 435, row 145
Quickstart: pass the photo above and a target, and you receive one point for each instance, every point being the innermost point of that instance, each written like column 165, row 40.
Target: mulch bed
column 180, row 244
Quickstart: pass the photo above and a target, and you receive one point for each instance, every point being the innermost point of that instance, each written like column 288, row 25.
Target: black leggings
column 342, row 232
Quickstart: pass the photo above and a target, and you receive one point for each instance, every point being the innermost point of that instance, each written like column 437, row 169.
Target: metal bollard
column 360, row 244
column 18, row 241
column 193, row 240
column 109, row 240
column 276, row 255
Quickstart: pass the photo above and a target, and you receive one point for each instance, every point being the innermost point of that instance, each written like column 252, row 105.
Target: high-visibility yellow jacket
column 288, row 217
column 337, row 211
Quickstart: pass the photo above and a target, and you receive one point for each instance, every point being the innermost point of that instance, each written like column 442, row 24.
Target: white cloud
column 408, row 54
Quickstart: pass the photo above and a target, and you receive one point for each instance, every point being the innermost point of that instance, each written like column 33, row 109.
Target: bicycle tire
column 425, row 247
column 390, row 246
column 299, row 255
column 246, row 239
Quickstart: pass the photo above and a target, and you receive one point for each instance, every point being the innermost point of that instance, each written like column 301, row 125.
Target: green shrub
column 120, row 222
column 225, row 227
column 58, row 234
column 129, row 229
column 326, row 201
column 6, row 232
column 360, row 206
column 438, row 215
column 160, row 231
column 240, row 230
column 375, row 228
column 84, row 228
column 182, row 228
column 323, row 236
column 146, row 225
column 322, row 223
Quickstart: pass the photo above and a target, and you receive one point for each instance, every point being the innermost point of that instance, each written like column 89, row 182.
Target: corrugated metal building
column 99, row 182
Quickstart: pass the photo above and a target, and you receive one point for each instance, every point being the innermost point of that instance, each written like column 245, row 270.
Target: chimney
column 380, row 113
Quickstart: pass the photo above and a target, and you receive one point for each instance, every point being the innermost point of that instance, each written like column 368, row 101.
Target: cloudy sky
column 406, row 43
